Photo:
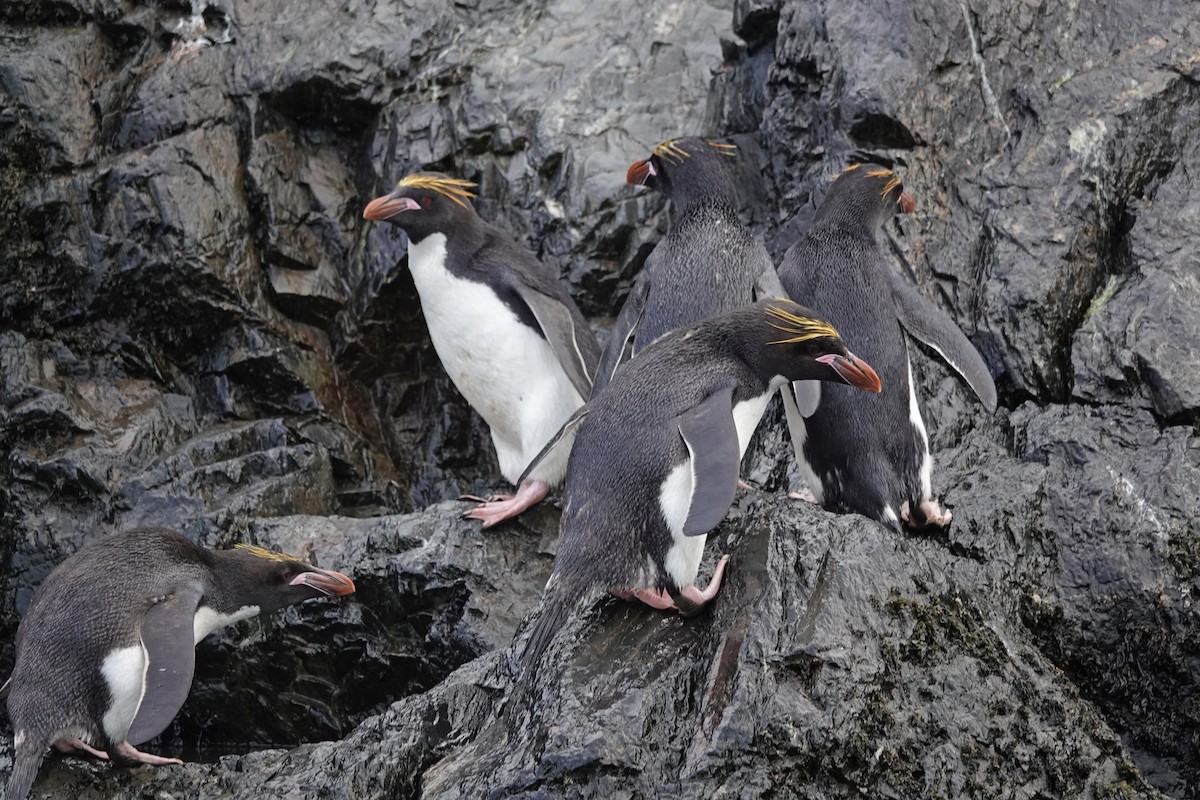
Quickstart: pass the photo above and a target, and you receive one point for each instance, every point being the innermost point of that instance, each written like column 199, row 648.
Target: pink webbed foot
column 805, row 494
column 690, row 601
column 930, row 515
column 498, row 510
column 659, row 599
column 71, row 744
column 129, row 754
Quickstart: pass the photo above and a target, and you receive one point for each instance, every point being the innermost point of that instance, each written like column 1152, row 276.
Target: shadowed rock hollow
column 197, row 330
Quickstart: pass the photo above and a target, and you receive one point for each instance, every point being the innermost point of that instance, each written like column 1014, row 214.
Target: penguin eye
column 426, row 201
column 287, row 576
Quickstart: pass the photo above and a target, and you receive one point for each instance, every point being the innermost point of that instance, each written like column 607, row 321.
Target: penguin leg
column 658, row 599
column 72, row 744
column 691, row 600
column 128, row 754
column 492, row 512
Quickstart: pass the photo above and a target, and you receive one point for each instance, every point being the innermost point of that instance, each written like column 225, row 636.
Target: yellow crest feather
column 262, row 552
column 803, row 329
column 671, row 151
column 452, row 188
column 893, row 179
column 724, row 148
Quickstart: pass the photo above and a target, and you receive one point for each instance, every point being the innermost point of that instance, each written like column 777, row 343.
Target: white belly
column 507, row 372
column 124, row 671
column 914, row 416
column 682, row 561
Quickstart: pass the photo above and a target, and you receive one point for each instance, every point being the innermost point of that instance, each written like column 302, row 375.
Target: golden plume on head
column 262, row 552
column 802, row 329
column 724, row 148
column 893, row 179
column 671, row 151
column 452, row 188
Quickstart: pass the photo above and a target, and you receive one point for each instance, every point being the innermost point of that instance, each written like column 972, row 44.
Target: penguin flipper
column 565, row 437
column 624, row 331
column 569, row 338
column 711, row 437
column 167, row 635
column 767, row 285
column 934, row 327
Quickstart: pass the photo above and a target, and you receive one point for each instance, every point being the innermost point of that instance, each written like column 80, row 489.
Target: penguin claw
column 502, row 507
column 492, row 498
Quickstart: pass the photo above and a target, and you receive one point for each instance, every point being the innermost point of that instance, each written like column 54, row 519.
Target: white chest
column 505, row 369
column 682, row 561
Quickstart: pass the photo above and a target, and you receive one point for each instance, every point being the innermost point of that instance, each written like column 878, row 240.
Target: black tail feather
column 25, row 769
column 558, row 601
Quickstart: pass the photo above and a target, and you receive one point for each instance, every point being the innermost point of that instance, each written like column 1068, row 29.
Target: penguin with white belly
column 871, row 455
column 504, row 327
column 106, row 651
column 655, row 456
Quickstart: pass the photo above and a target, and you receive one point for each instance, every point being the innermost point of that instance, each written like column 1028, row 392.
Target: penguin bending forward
column 655, row 457
column 504, row 327
column 708, row 264
column 106, row 651
column 870, row 455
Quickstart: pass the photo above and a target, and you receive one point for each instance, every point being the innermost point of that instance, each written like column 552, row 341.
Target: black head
column 425, row 203
column 865, row 194
column 254, row 576
column 790, row 341
column 687, row 171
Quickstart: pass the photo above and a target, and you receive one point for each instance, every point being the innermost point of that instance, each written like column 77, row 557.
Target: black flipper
column 710, row 434
column 167, row 635
column 767, row 285
column 622, row 340
column 570, row 344
column 564, row 438
column 934, row 327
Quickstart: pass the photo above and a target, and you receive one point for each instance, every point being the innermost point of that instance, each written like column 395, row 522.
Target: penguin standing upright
column 708, row 264
column 503, row 324
column 106, row 651
column 870, row 455
column 655, row 457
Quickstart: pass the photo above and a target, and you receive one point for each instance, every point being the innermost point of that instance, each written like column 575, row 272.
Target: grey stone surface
column 197, row 330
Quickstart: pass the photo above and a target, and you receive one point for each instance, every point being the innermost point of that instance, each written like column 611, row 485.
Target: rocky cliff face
column 197, row 330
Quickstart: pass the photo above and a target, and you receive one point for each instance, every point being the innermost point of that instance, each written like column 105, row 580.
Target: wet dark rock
column 197, row 330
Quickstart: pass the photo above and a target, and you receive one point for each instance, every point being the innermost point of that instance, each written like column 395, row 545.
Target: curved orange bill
column 639, row 171
column 388, row 206
column 908, row 203
column 325, row 580
column 853, row 370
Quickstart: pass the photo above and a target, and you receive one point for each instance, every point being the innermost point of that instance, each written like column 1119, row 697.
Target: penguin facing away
column 871, row 455
column 504, row 327
column 708, row 264
column 106, row 651
column 654, row 458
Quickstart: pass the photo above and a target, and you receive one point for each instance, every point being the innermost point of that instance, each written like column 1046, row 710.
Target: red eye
column 427, row 201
